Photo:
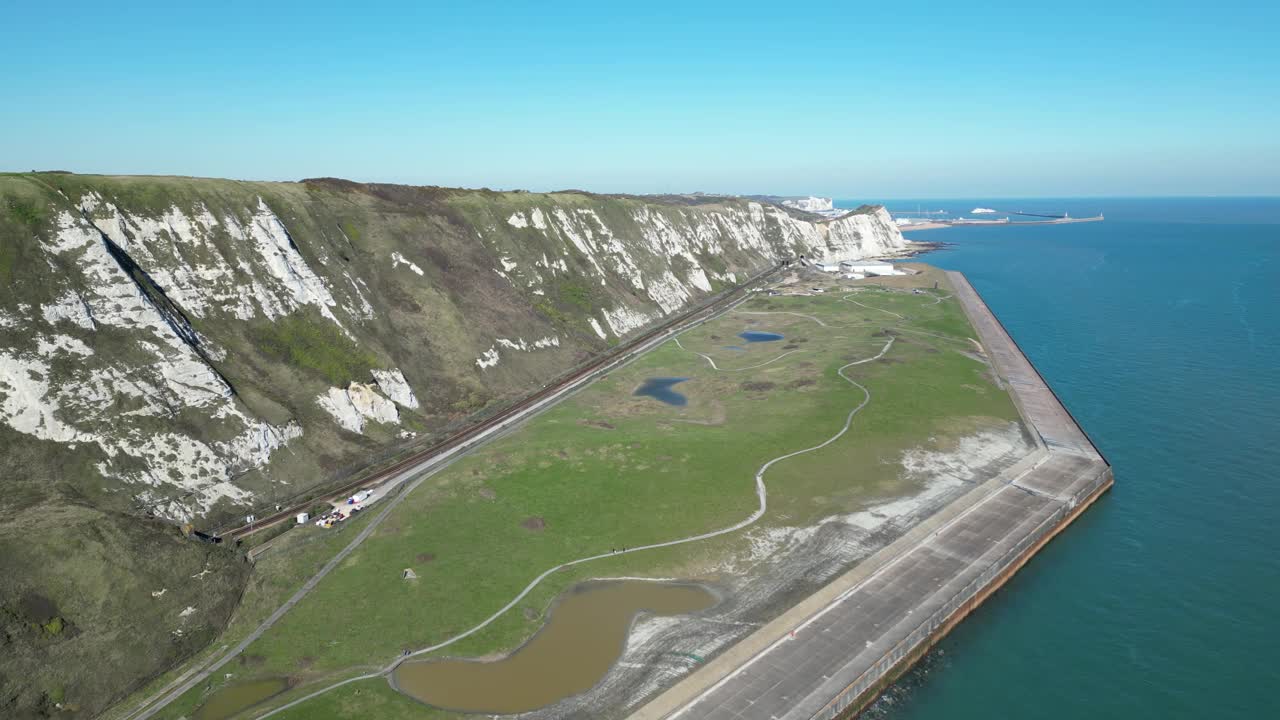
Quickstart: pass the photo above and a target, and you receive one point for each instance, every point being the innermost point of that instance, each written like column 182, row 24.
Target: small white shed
column 303, row 518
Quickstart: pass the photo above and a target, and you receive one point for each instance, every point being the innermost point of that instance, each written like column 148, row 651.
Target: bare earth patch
column 534, row 523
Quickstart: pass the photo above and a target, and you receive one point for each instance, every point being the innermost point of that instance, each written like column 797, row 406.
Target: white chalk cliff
column 200, row 345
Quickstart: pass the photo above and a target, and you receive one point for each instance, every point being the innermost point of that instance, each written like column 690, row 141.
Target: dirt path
column 781, row 312
column 761, row 494
column 855, row 302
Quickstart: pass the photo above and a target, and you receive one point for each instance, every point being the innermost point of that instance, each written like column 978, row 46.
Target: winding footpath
column 761, row 495
column 780, row 312
column 855, row 302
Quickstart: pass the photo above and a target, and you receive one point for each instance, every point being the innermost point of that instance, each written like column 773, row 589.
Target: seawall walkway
column 834, row 652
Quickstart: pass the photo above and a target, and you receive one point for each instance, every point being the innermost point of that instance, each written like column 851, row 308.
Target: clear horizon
column 920, row 101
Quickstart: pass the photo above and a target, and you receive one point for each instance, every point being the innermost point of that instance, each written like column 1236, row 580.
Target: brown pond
column 232, row 699
column 584, row 636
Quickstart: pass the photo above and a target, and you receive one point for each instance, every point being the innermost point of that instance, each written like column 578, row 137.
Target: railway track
column 706, row 308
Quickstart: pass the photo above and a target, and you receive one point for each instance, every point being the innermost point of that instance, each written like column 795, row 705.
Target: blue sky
column 844, row 99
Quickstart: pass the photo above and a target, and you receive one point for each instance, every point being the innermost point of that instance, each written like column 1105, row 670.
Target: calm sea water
column 1160, row 330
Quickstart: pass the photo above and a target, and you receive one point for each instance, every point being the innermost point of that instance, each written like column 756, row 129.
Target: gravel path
column 855, row 302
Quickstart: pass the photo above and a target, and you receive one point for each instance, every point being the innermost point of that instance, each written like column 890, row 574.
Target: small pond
column 235, row 698
column 755, row 336
column 660, row 388
column 584, row 636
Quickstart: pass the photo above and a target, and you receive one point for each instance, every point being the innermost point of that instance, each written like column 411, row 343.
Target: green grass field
column 605, row 469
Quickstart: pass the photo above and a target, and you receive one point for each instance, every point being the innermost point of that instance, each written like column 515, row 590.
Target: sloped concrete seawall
column 833, row 653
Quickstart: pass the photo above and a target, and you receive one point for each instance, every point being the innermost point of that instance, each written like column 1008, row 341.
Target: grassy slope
column 650, row 476
column 93, row 601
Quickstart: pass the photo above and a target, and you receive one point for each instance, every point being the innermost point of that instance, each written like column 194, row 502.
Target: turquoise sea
column 1160, row 330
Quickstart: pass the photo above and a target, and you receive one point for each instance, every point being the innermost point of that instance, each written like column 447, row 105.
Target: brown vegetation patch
column 488, row 493
column 803, row 382
column 424, row 558
column 534, row 523
column 792, row 346
column 595, row 424
column 758, row 386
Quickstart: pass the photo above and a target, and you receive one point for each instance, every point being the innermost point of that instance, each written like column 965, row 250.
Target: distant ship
column 982, row 211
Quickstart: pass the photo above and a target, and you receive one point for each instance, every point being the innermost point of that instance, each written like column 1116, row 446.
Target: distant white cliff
column 811, row 204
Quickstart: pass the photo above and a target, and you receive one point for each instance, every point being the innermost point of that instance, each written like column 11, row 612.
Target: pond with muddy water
column 584, row 636
column 236, row 698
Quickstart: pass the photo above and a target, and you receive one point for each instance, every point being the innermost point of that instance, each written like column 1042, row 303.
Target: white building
column 303, row 518
column 828, row 267
column 870, row 267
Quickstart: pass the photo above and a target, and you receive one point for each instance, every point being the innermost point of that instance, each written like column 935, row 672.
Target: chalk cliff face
column 195, row 348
